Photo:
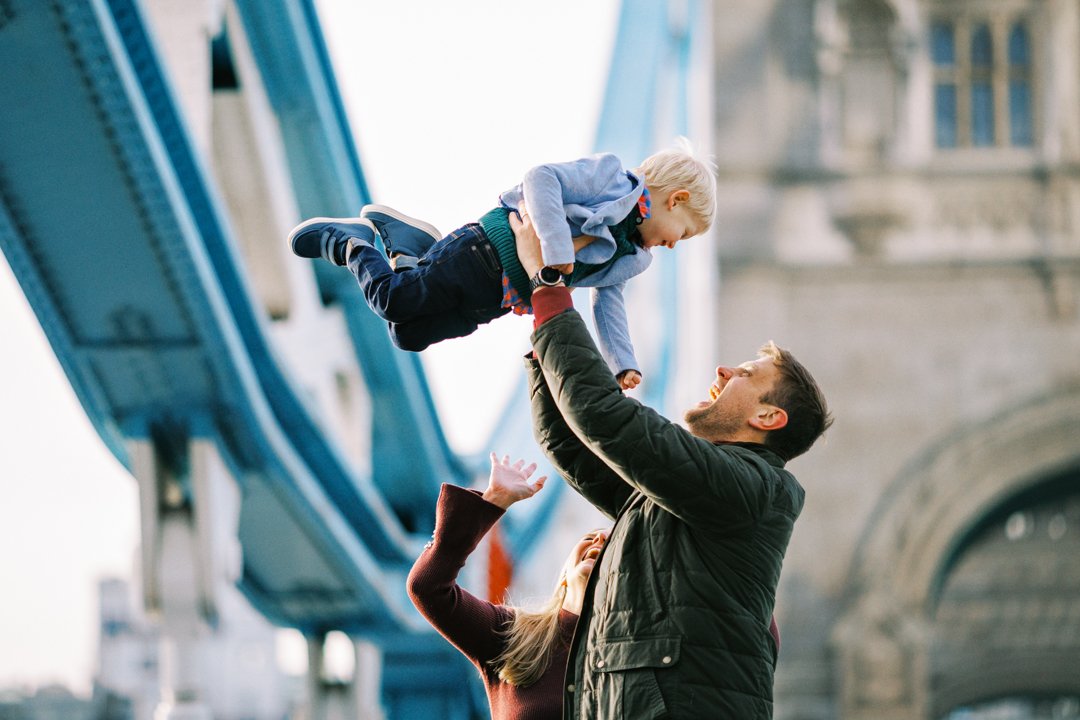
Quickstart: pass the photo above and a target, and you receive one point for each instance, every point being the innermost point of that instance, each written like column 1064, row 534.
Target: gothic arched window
column 943, row 53
column 1020, row 130
column 982, row 83
column 982, row 86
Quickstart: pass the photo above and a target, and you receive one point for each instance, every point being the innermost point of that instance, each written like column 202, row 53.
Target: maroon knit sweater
column 473, row 625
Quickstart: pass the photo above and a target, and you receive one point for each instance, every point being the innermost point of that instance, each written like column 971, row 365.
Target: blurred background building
column 899, row 205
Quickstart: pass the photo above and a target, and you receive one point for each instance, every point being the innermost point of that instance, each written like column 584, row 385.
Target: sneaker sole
column 402, row 217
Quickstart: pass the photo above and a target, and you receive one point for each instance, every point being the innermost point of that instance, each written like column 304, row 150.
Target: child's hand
column 510, row 483
column 629, row 379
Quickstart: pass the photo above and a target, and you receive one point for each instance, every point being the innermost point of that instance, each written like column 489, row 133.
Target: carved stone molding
column 997, row 205
column 866, row 228
column 882, row 661
column 867, row 211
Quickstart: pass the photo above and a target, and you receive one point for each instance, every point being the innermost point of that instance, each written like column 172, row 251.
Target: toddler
column 597, row 224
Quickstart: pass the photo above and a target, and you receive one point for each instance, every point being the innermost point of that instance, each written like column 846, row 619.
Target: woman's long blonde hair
column 530, row 639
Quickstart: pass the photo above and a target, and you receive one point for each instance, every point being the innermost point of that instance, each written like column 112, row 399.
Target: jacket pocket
column 626, row 675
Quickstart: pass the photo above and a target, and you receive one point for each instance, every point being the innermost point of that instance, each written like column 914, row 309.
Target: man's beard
column 713, row 422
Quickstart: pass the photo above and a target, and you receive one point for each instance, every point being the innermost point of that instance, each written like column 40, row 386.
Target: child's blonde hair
column 679, row 169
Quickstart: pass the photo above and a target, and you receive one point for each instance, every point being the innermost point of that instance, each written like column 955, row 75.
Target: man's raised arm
column 688, row 476
column 578, row 465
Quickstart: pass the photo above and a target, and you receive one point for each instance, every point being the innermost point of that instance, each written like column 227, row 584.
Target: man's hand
column 528, row 243
column 509, row 483
column 629, row 379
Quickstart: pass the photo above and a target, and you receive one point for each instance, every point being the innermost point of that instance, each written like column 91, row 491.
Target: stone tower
column 900, row 207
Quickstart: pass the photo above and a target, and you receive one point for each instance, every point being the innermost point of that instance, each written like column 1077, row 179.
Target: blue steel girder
column 115, row 236
column 355, row 498
column 410, row 455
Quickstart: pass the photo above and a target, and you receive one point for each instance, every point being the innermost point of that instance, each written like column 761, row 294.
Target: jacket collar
column 757, row 448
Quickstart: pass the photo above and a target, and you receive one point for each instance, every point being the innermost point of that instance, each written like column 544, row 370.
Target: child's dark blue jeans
column 456, row 287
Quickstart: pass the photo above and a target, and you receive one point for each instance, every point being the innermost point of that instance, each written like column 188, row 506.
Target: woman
column 521, row 654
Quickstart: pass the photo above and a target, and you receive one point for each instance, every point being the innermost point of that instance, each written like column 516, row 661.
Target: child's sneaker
column 399, row 232
column 329, row 238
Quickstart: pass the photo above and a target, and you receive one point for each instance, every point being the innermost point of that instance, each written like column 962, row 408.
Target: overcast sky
column 451, row 103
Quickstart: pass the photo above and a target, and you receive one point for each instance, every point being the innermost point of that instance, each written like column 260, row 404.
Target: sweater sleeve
column 472, row 625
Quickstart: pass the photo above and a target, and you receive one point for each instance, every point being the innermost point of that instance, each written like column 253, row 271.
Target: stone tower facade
column 900, row 206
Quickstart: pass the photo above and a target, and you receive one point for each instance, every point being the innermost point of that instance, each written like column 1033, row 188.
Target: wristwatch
column 547, row 276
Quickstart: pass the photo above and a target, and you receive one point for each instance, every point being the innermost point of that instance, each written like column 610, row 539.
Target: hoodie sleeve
column 547, row 189
column 612, row 328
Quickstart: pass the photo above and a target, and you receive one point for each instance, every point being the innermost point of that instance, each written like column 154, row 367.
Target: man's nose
column 724, row 372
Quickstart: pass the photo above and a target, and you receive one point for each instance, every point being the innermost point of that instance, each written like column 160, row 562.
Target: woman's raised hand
column 509, row 483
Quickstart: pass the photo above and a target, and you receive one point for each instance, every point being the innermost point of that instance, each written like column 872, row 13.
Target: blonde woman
column 521, row 654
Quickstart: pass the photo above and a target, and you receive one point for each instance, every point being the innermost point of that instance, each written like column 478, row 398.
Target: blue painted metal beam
column 110, row 228
column 354, row 498
column 410, row 453
column 116, row 235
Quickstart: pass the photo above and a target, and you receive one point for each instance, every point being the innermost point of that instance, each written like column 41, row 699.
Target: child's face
column 670, row 221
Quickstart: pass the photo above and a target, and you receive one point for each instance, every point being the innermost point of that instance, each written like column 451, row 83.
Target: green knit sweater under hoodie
column 496, row 225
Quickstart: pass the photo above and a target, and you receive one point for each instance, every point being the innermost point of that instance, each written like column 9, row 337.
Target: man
column 676, row 618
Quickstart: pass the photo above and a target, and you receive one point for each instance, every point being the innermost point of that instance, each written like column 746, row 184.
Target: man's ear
column 676, row 197
column 768, row 418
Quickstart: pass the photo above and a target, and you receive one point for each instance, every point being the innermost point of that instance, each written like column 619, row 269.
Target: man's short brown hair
column 798, row 394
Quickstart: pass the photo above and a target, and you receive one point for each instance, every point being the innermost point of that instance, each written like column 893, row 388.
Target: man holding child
column 677, row 612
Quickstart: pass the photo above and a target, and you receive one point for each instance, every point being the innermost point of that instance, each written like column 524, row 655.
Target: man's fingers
column 529, row 470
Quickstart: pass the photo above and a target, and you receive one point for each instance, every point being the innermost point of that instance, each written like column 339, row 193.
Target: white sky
column 451, row 103
column 501, row 87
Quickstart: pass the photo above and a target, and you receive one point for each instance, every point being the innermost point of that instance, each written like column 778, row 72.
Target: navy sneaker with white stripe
column 329, row 238
column 400, row 233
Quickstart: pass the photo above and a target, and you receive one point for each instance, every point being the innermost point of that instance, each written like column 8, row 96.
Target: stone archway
column 1006, row 614
column 882, row 639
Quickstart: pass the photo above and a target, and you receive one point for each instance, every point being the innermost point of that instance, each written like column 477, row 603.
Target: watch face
column 549, row 275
